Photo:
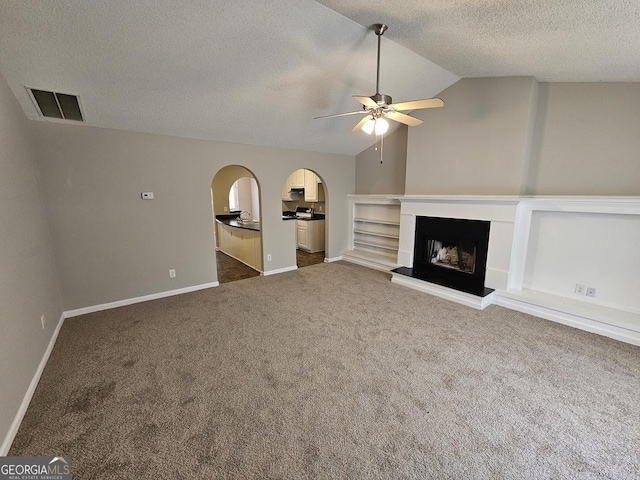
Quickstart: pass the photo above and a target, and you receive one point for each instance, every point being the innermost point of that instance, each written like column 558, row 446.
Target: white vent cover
column 56, row 105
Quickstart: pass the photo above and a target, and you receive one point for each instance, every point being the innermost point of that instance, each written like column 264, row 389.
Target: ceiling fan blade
column 341, row 114
column 403, row 118
column 366, row 101
column 361, row 123
column 417, row 104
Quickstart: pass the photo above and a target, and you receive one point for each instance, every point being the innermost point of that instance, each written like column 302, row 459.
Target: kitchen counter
column 232, row 222
column 316, row 216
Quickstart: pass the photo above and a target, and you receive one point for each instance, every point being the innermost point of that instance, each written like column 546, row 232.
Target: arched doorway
column 236, row 207
column 304, row 200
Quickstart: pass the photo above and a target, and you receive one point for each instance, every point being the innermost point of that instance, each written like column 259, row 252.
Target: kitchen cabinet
column 310, row 186
column 295, row 180
column 306, row 179
column 310, row 235
column 242, row 244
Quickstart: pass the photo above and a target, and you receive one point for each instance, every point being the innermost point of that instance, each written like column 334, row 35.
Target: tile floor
column 304, row 259
column 230, row 269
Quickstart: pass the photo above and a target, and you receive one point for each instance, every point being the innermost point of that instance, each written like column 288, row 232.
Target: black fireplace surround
column 452, row 252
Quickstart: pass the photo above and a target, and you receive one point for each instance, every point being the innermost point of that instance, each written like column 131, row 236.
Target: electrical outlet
column 268, row 257
column 172, row 273
column 42, row 320
column 147, row 195
column 226, row 209
column 319, row 208
column 591, row 292
column 580, row 289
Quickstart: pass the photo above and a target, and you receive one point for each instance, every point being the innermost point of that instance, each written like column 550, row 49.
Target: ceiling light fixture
column 381, row 126
column 379, row 107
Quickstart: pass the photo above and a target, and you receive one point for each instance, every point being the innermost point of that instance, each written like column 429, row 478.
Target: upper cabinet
column 310, row 186
column 306, row 179
column 297, row 179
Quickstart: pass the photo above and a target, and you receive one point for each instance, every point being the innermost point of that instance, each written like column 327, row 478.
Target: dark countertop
column 316, row 216
column 232, row 222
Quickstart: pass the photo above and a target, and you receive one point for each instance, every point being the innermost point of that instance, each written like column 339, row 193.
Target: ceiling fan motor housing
column 382, row 99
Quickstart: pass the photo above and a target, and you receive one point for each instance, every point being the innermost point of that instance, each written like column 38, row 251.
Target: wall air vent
column 57, row 105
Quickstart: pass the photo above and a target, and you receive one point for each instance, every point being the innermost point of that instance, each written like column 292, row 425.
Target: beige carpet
column 332, row 371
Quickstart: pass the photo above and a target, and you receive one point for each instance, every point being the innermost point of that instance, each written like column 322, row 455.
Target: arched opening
column 304, row 200
column 236, row 207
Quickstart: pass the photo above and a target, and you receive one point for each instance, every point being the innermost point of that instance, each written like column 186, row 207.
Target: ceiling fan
column 377, row 108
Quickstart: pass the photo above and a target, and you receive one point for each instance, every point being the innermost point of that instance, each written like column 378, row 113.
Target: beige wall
column 478, row 143
column 511, row 136
column 28, row 283
column 587, row 140
column 111, row 245
column 221, row 184
column 387, row 177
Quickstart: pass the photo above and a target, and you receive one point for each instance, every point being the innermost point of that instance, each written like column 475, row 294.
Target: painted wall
column 595, row 250
column 28, row 284
column 478, row 143
column 388, row 176
column 513, row 136
column 221, row 184
column 587, row 140
column 111, row 245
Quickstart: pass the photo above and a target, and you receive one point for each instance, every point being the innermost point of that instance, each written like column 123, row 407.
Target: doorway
column 236, row 202
column 304, row 200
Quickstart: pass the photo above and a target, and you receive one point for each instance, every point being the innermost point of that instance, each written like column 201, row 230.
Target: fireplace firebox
column 452, row 252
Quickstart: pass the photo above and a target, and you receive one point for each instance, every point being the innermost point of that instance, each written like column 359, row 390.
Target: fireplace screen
column 460, row 256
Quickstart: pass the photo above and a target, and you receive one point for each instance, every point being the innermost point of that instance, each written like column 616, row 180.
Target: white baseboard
column 144, row 298
column 279, row 270
column 17, row 420
column 473, row 301
column 570, row 319
column 333, row 259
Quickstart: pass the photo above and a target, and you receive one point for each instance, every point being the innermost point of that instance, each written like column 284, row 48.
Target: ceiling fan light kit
column 380, row 107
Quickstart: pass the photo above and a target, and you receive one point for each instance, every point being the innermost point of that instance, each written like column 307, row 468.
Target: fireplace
column 452, row 252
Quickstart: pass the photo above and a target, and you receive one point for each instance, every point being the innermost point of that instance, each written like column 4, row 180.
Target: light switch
column 147, row 195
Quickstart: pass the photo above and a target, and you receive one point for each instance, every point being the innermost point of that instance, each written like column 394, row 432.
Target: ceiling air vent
column 57, row 105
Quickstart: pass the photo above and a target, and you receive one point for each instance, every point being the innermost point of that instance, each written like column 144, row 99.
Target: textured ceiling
column 552, row 40
column 249, row 72
column 257, row 72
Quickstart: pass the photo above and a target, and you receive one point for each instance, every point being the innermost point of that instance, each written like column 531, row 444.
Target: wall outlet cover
column 147, row 195
column 580, row 289
column 172, row 273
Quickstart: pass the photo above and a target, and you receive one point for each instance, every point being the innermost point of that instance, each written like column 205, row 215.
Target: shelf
column 377, row 222
column 375, row 245
column 375, row 234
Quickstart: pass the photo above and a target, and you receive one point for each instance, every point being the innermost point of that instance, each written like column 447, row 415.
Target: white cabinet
column 301, row 234
column 240, row 243
column 310, row 186
column 295, row 180
column 310, row 235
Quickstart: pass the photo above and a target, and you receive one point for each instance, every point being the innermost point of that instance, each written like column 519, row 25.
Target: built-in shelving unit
column 374, row 231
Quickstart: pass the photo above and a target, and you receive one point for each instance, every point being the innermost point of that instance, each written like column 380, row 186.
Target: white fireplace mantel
column 520, row 232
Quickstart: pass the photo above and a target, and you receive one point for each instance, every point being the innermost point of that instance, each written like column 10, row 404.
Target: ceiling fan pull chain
column 381, row 148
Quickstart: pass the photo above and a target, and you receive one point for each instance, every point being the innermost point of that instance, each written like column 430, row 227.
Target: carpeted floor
column 353, row 377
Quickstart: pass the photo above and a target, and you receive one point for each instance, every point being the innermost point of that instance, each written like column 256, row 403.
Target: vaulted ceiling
column 258, row 72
